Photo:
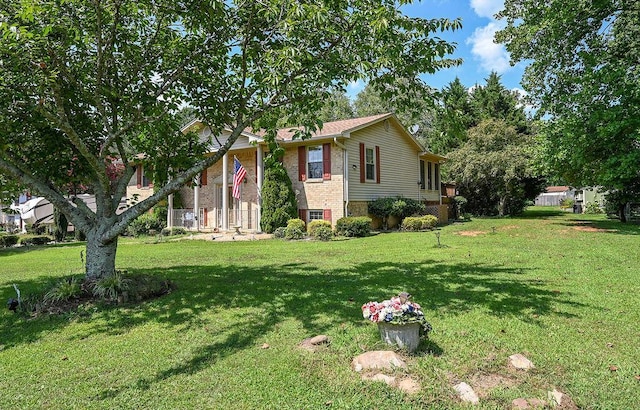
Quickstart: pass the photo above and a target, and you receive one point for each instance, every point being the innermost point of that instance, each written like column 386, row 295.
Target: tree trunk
column 101, row 256
column 621, row 213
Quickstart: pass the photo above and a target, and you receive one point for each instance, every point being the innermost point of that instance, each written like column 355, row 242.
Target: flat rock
column 313, row 342
column 390, row 380
column 466, row 393
column 561, row 400
column 380, row 359
column 409, row 386
column 520, row 362
column 523, row 404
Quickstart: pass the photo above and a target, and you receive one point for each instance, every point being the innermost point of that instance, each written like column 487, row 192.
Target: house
column 335, row 173
column 553, row 195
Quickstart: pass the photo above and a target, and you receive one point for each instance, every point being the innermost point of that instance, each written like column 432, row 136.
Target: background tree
column 337, row 106
column 494, row 169
column 454, row 116
column 91, row 89
column 412, row 104
column 585, row 79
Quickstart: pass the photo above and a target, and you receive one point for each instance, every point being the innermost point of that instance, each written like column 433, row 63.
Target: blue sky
column 474, row 43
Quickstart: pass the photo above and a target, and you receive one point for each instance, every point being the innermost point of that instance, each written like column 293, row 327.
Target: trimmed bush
column 322, row 233
column 7, row 241
column 144, row 224
column 412, row 223
column 295, row 229
column 313, row 225
column 279, row 232
column 176, row 230
column 278, row 199
column 429, row 221
column 34, row 240
column 351, row 226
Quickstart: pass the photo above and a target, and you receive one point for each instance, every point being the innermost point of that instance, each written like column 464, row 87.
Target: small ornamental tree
column 278, row 199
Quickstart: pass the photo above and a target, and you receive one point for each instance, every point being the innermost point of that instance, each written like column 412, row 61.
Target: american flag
column 239, row 173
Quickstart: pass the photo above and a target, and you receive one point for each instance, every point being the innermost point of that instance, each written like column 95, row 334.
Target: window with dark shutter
column 326, row 161
column 302, row 164
column 422, row 184
column 362, row 170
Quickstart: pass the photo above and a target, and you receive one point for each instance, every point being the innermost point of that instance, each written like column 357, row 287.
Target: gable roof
column 335, row 128
column 551, row 189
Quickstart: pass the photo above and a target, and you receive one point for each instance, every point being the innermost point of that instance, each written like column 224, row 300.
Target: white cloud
column 355, row 85
column 492, row 56
column 487, row 8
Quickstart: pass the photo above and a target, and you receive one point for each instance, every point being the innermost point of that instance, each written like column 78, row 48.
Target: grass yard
column 562, row 289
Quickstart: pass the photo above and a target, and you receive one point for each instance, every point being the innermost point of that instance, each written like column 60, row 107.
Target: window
column 143, row 177
column 436, row 171
column 316, row 215
column 314, row 162
column 429, row 176
column 422, row 184
column 370, row 164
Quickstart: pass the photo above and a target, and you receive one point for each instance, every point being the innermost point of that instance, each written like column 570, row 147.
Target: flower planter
column 406, row 336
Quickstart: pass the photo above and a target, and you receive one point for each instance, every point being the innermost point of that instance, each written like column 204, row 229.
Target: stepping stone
column 409, row 386
column 520, row 362
column 313, row 342
column 389, row 380
column 523, row 404
column 466, row 393
column 380, row 359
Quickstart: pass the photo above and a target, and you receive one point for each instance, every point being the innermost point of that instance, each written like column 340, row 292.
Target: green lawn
column 560, row 288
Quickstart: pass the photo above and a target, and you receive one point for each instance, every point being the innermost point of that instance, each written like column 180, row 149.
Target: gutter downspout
column 345, row 174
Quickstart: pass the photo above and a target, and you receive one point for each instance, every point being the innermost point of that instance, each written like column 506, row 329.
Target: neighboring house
column 553, row 195
column 586, row 195
column 335, row 173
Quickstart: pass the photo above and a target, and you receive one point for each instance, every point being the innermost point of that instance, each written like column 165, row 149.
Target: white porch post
column 196, row 201
column 170, row 211
column 225, row 192
column 260, row 177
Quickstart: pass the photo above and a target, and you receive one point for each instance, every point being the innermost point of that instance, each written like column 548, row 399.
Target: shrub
column 417, row 223
column 34, row 240
column 593, row 208
column 295, row 229
column 110, row 287
column 144, row 224
column 567, row 203
column 8, row 240
column 461, row 204
column 350, row 226
column 79, row 235
column 279, row 232
column 412, row 223
column 313, row 225
column 429, row 221
column 322, row 233
column 278, row 199
column 399, row 207
column 176, row 230
column 66, row 289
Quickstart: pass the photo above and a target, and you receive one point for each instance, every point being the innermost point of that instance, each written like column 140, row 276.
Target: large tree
column 584, row 75
column 90, row 89
column 494, row 169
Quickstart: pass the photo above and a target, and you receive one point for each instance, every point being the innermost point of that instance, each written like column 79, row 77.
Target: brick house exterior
column 335, row 173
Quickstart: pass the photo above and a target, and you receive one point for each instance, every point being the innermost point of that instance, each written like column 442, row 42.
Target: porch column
column 196, row 201
column 260, row 177
column 225, row 192
column 170, row 211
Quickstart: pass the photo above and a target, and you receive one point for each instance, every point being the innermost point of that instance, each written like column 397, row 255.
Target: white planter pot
column 406, row 336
